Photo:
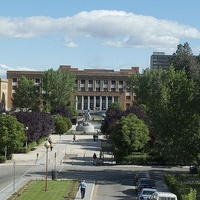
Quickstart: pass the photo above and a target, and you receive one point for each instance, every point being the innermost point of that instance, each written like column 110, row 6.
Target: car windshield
column 144, row 174
column 148, row 192
column 146, row 181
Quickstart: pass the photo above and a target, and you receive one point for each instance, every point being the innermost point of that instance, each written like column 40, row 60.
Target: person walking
column 74, row 138
column 83, row 188
column 94, row 158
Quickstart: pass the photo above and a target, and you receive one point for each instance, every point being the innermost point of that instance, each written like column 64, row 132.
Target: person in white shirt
column 83, row 186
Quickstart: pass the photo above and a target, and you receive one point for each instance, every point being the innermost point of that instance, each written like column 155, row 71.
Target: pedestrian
column 83, row 186
column 97, row 137
column 51, row 146
column 94, row 137
column 94, row 158
column 74, row 138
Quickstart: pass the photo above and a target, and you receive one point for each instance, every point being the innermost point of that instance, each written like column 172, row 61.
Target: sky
column 39, row 35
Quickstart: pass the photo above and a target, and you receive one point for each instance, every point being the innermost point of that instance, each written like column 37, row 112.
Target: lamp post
column 26, row 130
column 47, row 145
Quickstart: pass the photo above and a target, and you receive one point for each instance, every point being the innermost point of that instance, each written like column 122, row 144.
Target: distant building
column 97, row 89
column 3, row 92
column 160, row 61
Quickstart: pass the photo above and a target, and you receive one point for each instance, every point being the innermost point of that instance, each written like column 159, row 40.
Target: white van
column 163, row 196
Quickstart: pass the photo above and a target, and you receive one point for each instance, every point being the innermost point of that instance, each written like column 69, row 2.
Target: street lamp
column 26, row 130
column 47, row 145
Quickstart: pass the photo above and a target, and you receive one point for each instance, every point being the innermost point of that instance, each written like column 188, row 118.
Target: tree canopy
column 184, row 59
column 11, row 133
column 39, row 124
column 129, row 134
column 58, row 87
column 26, row 94
column 171, row 103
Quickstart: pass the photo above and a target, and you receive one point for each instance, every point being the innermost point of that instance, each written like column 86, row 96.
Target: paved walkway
column 65, row 152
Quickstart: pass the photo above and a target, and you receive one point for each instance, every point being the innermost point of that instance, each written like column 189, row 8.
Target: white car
column 146, row 193
column 163, row 196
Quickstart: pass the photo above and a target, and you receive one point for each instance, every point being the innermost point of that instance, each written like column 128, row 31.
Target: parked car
column 146, row 193
column 163, row 196
column 145, row 183
column 142, row 174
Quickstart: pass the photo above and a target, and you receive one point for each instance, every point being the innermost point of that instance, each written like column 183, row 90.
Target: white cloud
column 115, row 28
column 4, row 68
column 72, row 45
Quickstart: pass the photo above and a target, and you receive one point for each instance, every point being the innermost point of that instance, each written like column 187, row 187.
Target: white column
column 106, row 102
column 112, row 99
column 82, row 102
column 88, row 102
column 95, row 102
column 100, row 102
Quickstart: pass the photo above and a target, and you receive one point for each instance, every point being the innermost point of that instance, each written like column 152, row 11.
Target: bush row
column 179, row 185
column 145, row 159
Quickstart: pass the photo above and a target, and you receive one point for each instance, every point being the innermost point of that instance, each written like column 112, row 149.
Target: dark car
column 145, row 183
column 142, row 174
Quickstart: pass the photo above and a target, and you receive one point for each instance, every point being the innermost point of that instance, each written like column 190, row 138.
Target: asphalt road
column 117, row 182
column 112, row 182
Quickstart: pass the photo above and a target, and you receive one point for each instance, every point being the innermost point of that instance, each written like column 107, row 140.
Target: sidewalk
column 66, row 152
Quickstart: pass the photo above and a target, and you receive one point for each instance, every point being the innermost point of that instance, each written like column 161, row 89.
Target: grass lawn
column 59, row 190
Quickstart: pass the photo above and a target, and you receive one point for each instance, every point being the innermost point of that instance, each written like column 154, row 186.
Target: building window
column 97, row 102
column 120, row 82
column 113, row 82
column 128, row 97
column 109, row 101
column 85, row 106
column 82, row 81
column 103, row 103
column 116, row 99
column 92, row 103
column 14, row 79
column 127, row 105
column 105, row 82
column 79, row 107
column 14, row 87
column 37, row 80
column 128, row 89
column 113, row 89
column 120, row 89
column 82, row 89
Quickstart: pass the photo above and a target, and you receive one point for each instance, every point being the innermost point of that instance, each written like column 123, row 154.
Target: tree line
column 167, row 112
column 47, row 110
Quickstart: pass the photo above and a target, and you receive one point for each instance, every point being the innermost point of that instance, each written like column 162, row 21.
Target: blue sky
column 109, row 34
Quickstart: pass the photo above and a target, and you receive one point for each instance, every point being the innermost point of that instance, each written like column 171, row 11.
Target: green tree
column 184, row 59
column 130, row 134
column 147, row 85
column 62, row 124
column 26, row 94
column 12, row 134
column 177, row 119
column 171, row 101
column 59, row 87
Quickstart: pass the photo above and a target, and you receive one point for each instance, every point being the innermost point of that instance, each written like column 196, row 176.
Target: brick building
column 96, row 88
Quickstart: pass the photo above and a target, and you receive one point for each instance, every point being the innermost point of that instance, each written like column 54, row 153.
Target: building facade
column 160, row 61
column 3, row 93
column 97, row 89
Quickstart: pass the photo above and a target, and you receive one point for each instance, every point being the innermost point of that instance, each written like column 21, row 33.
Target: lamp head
column 47, row 144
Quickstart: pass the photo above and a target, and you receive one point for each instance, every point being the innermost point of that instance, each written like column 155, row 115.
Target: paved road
column 74, row 161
